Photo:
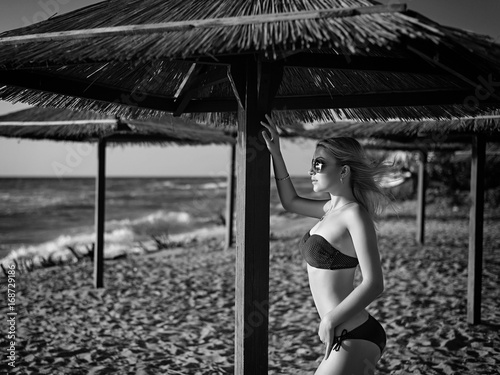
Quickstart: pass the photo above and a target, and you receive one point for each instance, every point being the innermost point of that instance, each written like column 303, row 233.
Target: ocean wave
column 213, row 185
column 170, row 185
column 120, row 235
column 164, row 184
column 161, row 216
column 33, row 200
column 116, row 243
column 19, row 204
column 159, row 185
column 169, row 217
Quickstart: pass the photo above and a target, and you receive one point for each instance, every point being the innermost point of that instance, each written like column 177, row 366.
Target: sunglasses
column 317, row 165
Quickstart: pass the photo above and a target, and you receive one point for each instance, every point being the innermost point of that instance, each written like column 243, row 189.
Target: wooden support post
column 100, row 193
column 422, row 184
column 476, row 231
column 230, row 197
column 255, row 85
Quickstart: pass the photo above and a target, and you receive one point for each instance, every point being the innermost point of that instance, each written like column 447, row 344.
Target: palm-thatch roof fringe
column 450, row 130
column 203, row 23
column 229, row 119
column 344, row 34
column 155, row 65
column 415, row 145
column 414, row 113
column 44, row 115
column 163, row 131
column 74, row 133
column 310, row 81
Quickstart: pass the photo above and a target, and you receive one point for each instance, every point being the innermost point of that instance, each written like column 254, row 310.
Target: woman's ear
column 344, row 172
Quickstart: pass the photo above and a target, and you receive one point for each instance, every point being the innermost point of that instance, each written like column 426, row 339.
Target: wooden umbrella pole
column 255, row 84
column 475, row 271
column 422, row 184
column 230, row 197
column 99, row 214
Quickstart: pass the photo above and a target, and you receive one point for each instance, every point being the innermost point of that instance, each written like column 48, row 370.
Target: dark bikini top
column 319, row 253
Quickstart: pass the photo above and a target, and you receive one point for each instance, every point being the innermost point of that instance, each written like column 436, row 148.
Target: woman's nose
column 311, row 172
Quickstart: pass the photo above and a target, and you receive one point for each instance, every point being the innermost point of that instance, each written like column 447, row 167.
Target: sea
column 39, row 216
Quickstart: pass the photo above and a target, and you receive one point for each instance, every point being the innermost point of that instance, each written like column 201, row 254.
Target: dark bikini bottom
column 371, row 330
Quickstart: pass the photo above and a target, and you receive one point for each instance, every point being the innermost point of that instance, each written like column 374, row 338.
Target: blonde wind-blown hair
column 365, row 173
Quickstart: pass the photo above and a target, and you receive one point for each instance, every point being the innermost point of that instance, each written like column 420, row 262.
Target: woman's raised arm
column 289, row 198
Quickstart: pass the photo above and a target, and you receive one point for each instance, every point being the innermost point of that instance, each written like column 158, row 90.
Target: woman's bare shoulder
column 356, row 214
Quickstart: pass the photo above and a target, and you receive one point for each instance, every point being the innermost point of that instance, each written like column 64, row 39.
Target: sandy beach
column 172, row 311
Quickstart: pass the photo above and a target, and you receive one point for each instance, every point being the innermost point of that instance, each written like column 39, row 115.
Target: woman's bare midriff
column 329, row 288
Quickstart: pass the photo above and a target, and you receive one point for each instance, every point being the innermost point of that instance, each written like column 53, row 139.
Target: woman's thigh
column 355, row 357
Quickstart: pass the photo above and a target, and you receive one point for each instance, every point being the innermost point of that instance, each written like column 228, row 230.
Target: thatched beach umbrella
column 361, row 59
column 66, row 125
column 422, row 133
column 303, row 59
column 69, row 126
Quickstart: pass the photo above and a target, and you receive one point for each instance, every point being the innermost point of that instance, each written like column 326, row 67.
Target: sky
column 65, row 159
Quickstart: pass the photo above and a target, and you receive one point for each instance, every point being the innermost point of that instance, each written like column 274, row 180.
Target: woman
column 343, row 238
